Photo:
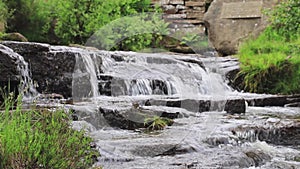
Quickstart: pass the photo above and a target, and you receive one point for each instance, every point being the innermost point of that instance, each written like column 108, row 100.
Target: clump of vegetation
column 157, row 122
column 4, row 13
column 271, row 63
column 41, row 139
column 285, row 18
column 73, row 22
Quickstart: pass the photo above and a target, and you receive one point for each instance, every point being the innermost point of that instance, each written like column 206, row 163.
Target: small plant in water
column 39, row 139
column 157, row 123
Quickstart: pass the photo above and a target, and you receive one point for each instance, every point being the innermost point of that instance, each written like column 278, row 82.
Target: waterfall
column 85, row 76
column 26, row 88
column 160, row 74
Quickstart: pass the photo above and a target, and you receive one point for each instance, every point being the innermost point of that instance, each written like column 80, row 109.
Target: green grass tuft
column 41, row 139
column 157, row 123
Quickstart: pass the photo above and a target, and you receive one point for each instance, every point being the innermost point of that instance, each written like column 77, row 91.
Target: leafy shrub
column 285, row 18
column 86, row 17
column 29, row 17
column 3, row 12
column 41, row 139
column 134, row 33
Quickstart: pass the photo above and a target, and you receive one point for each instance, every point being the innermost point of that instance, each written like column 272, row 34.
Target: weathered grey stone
column 176, row 2
column 170, row 9
column 194, row 15
column 174, row 16
column 181, row 7
column 160, row 2
column 188, row 21
column 195, row 3
column 228, row 26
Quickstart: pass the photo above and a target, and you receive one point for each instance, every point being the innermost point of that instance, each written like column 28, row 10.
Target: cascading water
column 85, row 79
column 179, row 85
column 26, row 87
column 150, row 74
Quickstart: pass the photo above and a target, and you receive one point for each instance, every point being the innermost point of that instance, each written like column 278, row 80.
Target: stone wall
column 184, row 15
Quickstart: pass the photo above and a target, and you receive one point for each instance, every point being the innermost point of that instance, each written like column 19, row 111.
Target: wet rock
column 132, row 118
column 274, row 100
column 231, row 106
column 27, row 47
column 237, row 106
column 189, row 60
column 281, row 136
column 258, row 157
column 10, row 78
column 51, row 70
column 278, row 133
column 297, row 104
column 127, row 119
column 230, row 22
column 161, row 150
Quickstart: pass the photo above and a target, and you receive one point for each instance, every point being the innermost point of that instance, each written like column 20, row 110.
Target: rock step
column 280, row 100
column 231, row 106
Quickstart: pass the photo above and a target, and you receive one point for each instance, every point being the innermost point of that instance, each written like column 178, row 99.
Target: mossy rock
column 2, row 27
column 14, row 37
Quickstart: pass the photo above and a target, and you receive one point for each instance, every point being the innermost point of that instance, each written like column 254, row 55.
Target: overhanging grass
column 41, row 139
column 271, row 63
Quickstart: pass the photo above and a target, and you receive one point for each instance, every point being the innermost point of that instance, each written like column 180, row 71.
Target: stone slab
column 187, row 21
column 175, row 16
column 241, row 10
column 194, row 14
column 195, row 3
column 176, row 2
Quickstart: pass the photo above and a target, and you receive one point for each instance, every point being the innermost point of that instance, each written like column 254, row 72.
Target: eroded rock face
column 9, row 70
column 229, row 22
column 51, row 67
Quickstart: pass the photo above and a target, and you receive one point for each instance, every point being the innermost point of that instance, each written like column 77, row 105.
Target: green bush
column 41, row 139
column 78, row 20
column 30, row 18
column 3, row 12
column 134, row 33
column 72, row 21
column 285, row 18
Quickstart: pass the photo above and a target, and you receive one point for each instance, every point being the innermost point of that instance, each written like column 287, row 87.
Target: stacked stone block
column 183, row 15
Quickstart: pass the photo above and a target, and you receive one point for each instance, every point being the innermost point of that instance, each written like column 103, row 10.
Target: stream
column 214, row 125
column 262, row 137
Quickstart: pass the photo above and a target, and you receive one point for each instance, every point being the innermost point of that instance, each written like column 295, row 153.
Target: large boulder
column 230, row 22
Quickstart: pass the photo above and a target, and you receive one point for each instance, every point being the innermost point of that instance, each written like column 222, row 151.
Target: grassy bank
column 41, row 139
column 271, row 63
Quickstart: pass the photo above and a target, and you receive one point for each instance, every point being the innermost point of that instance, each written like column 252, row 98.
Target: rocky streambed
column 111, row 94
